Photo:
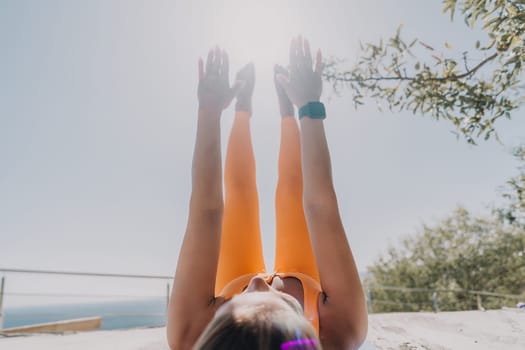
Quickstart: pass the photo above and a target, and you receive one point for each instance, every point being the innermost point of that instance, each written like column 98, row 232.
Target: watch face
column 314, row 110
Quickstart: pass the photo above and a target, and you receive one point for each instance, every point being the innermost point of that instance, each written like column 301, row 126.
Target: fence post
column 369, row 300
column 167, row 295
column 2, row 302
column 435, row 300
column 480, row 305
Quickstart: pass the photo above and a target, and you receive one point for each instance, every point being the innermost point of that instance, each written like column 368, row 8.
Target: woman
column 222, row 296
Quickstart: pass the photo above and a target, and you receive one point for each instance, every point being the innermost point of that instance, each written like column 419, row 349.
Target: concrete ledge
column 132, row 339
column 465, row 330
column 78, row 324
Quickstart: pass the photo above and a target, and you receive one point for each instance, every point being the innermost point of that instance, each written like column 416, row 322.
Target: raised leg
column 293, row 248
column 241, row 247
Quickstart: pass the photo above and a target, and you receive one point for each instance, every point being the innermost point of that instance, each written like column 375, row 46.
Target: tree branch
column 401, row 78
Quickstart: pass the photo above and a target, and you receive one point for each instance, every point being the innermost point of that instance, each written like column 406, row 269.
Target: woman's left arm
column 343, row 314
column 192, row 300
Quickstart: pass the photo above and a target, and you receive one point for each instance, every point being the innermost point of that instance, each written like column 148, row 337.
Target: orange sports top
column 311, row 290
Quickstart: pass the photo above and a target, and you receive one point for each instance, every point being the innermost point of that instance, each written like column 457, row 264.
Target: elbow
column 210, row 205
column 172, row 334
column 359, row 335
column 358, row 330
column 352, row 326
column 315, row 203
column 182, row 342
column 355, row 336
column 179, row 339
column 173, row 342
column 209, row 216
column 350, row 339
column 208, row 197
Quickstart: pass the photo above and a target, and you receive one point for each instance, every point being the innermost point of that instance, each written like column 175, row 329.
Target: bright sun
column 257, row 31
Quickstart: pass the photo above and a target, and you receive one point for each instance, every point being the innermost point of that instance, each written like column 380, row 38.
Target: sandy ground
column 477, row 330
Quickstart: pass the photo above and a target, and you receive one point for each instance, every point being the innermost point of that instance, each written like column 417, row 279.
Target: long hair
column 266, row 330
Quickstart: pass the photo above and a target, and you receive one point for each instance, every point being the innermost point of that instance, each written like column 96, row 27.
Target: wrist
column 304, row 102
column 285, row 106
column 286, row 111
column 244, row 106
column 312, row 110
column 209, row 112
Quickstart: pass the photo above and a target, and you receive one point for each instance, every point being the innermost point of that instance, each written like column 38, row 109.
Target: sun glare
column 256, row 31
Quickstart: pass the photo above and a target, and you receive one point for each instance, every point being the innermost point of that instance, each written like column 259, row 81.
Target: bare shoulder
column 339, row 327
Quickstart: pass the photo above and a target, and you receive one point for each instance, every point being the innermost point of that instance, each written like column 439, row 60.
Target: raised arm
column 192, row 299
column 343, row 315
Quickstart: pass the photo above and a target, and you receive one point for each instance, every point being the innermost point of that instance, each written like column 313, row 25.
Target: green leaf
column 512, row 10
column 516, row 41
column 442, row 90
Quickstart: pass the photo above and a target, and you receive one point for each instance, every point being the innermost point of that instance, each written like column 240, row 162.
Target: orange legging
column 241, row 248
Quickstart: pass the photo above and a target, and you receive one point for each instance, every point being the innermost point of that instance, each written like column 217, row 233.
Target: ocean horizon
column 150, row 312
column 139, row 313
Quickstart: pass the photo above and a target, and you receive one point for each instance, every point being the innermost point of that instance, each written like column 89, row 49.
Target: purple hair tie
column 298, row 344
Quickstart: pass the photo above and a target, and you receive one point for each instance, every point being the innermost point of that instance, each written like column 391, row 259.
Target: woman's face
column 260, row 296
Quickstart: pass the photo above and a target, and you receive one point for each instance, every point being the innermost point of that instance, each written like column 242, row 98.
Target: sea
column 149, row 312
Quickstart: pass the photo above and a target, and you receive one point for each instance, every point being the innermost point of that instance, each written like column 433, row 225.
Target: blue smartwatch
column 314, row 110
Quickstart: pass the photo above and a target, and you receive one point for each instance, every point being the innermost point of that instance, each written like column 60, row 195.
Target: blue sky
column 97, row 122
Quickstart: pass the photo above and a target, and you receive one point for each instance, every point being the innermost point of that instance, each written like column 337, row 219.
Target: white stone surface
column 466, row 330
column 131, row 339
column 476, row 330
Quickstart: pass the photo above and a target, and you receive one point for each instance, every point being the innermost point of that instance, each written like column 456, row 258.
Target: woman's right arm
column 192, row 300
column 343, row 314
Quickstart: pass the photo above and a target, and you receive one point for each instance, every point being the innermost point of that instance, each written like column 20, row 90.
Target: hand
column 304, row 83
column 285, row 105
column 246, row 79
column 214, row 92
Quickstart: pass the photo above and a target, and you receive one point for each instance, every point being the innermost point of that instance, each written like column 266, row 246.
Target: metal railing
column 435, row 296
column 371, row 300
column 93, row 274
column 5, row 292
